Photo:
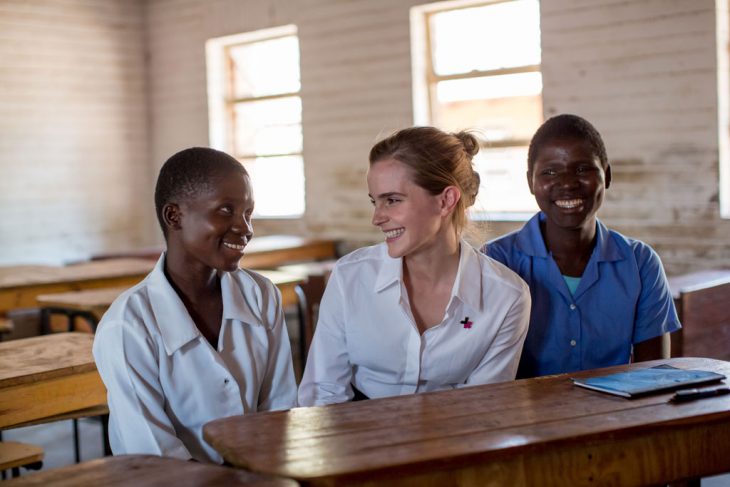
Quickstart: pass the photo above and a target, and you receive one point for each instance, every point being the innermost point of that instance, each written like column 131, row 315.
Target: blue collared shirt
column 622, row 299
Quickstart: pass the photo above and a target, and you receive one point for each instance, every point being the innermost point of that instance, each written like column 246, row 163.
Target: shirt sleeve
column 503, row 356
column 127, row 362
column 328, row 374
column 655, row 311
column 279, row 388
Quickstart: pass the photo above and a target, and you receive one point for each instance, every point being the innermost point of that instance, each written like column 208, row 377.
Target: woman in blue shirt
column 597, row 296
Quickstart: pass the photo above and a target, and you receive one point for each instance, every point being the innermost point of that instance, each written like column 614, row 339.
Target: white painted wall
column 74, row 162
column 643, row 71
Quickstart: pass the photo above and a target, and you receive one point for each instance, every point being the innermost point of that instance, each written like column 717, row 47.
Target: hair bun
column 470, row 143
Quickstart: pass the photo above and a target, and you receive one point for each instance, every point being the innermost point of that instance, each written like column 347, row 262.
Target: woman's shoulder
column 495, row 271
column 640, row 250
column 371, row 256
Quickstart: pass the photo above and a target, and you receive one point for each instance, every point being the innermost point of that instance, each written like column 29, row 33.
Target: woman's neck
column 435, row 262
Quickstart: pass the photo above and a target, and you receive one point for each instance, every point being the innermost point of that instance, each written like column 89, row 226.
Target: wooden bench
column 145, row 470
column 14, row 455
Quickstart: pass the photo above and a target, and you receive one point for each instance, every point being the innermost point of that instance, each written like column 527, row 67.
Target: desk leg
column 105, row 433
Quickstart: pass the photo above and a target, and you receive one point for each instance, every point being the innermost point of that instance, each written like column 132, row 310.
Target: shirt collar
column 173, row 320
column 390, row 272
column 530, row 241
column 467, row 285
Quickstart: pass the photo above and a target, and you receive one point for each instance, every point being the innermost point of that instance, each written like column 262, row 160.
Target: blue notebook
column 644, row 381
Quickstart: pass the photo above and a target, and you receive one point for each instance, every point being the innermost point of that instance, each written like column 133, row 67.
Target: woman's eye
column 372, row 201
column 227, row 210
column 391, row 201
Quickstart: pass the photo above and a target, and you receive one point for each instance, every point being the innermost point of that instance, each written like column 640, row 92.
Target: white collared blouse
column 165, row 381
column 366, row 335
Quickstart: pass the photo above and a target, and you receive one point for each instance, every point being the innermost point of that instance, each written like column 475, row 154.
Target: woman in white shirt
column 422, row 311
column 198, row 339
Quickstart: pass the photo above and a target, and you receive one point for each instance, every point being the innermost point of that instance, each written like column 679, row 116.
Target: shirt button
column 226, row 380
column 572, row 343
column 572, row 306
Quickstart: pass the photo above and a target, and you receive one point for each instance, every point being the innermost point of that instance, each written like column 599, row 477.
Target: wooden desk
column 701, row 299
column 47, row 376
column 95, row 302
column 145, row 470
column 20, row 285
column 266, row 252
column 530, row 432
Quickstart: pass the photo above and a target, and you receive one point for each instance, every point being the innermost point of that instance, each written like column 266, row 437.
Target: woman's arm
column 503, row 357
column 279, row 388
column 127, row 362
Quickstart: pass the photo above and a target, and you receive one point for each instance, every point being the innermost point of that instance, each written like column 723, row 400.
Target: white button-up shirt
column 366, row 335
column 165, row 380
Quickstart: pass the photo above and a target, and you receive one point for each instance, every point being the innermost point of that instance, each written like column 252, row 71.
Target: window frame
column 425, row 87
column 222, row 101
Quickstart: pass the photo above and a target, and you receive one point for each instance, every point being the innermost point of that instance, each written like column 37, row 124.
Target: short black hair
column 566, row 127
column 188, row 173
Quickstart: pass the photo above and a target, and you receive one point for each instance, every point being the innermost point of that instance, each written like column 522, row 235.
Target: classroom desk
column 146, row 470
column 20, row 285
column 529, row 432
column 264, row 252
column 44, row 377
column 701, row 299
column 93, row 303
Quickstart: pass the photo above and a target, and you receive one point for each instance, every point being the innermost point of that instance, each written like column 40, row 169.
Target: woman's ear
column 449, row 197
column 171, row 216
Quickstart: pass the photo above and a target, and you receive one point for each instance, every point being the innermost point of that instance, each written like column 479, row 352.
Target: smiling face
column 213, row 227
column 569, row 183
column 412, row 219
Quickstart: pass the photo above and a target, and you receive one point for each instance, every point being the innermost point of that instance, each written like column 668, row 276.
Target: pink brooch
column 467, row 324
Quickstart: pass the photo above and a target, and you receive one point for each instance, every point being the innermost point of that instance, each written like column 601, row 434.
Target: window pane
column 503, row 182
column 496, row 36
column 265, row 67
column 502, row 108
column 278, row 184
column 268, row 126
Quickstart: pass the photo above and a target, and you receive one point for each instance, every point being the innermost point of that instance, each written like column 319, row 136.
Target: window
column 722, row 32
column 255, row 114
column 477, row 66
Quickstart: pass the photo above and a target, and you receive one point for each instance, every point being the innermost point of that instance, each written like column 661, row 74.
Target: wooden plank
column 527, row 432
column 145, row 470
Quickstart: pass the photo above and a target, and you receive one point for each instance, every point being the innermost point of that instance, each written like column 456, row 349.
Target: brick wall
column 74, row 162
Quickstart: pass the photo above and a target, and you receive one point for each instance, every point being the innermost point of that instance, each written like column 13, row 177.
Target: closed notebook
column 644, row 381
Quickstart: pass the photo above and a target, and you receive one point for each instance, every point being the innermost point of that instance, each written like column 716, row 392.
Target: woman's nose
column 379, row 216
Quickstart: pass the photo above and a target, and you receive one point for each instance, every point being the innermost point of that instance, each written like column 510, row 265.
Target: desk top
column 697, row 280
column 144, row 470
column 442, row 430
column 21, row 276
column 31, row 360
